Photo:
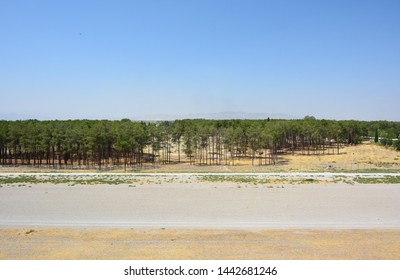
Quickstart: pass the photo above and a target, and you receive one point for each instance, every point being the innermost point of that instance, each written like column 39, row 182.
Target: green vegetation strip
column 254, row 180
column 64, row 180
column 380, row 180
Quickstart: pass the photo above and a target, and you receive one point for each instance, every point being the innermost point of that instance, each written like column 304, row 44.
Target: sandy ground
column 367, row 156
column 108, row 244
column 360, row 157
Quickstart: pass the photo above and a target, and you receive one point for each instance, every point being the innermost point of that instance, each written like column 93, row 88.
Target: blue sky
column 117, row 59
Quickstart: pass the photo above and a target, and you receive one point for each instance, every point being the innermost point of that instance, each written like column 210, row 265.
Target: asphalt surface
column 189, row 205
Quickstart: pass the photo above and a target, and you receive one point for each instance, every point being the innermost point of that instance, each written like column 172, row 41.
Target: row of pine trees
column 125, row 143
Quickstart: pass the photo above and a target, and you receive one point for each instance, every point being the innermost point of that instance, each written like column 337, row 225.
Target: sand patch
column 109, row 244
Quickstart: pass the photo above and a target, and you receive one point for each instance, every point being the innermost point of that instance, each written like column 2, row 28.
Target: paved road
column 201, row 206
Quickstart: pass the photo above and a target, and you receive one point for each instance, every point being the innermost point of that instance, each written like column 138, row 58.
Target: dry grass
column 108, row 244
column 367, row 156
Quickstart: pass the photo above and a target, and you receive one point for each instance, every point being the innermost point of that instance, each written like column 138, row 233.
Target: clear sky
column 115, row 59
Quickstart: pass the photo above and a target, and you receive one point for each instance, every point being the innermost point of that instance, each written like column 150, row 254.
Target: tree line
column 125, row 143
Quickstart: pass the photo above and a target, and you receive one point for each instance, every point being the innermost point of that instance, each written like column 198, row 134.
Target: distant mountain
column 216, row 116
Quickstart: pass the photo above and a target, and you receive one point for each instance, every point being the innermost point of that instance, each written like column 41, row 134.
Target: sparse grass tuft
column 380, row 180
